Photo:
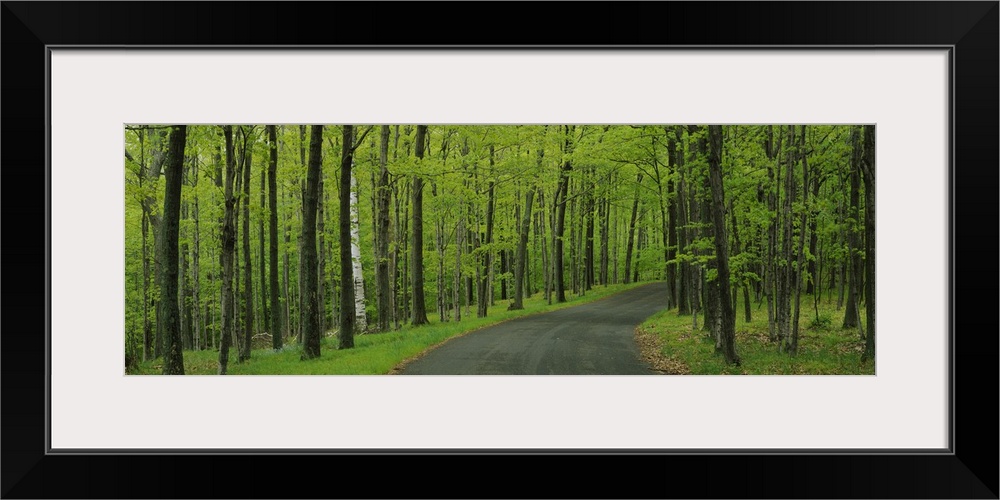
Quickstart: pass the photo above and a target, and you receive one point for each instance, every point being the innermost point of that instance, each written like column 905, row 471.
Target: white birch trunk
column 361, row 323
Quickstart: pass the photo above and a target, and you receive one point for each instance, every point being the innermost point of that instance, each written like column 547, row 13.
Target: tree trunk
column 288, row 298
column 671, row 222
column 605, row 216
column 728, row 334
column 560, row 205
column 486, row 283
column 310, row 318
column 522, row 245
column 793, row 346
column 184, row 289
column 457, row 284
column 419, row 313
column 321, row 253
column 868, row 162
column 263, row 317
column 631, row 231
column 301, row 294
column 546, row 265
column 348, row 204
column 147, row 327
column 382, row 199
column 247, row 274
column 588, row 244
column 812, row 288
column 272, row 187
column 684, row 268
column 228, row 249
column 173, row 356
column 157, row 139
column 853, row 239
column 195, row 259
column 357, row 274
column 737, row 249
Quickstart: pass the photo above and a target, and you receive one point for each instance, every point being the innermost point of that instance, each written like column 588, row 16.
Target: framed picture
column 925, row 74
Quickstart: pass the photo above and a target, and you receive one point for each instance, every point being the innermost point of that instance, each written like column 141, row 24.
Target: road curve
column 589, row 339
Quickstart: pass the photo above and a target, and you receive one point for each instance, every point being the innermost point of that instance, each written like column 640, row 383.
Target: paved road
column 589, row 339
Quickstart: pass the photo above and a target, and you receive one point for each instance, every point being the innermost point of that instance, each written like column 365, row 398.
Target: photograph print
column 440, row 249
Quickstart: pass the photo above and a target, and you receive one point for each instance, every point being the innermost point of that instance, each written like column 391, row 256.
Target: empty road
column 589, row 339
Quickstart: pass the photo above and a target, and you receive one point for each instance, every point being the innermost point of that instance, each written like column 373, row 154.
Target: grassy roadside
column 669, row 344
column 373, row 354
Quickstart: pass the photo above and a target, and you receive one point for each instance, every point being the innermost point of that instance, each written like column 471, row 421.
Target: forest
column 264, row 248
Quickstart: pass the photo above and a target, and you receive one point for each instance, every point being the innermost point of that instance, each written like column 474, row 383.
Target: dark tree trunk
column 247, row 274
column 485, row 283
column 185, row 288
column 560, row 223
column 321, row 253
column 228, row 250
column 173, row 356
column 812, row 288
column 737, row 249
column 310, row 318
column 302, row 195
column 588, row 244
column 868, row 163
column 605, row 223
column 263, row 317
column 671, row 216
column 195, row 260
column 382, row 198
column 784, row 312
column 684, row 268
column 272, row 187
column 793, row 345
column 772, row 148
column 853, row 239
column 522, row 247
column 345, row 336
column 147, row 327
column 419, row 313
column 543, row 214
column 287, row 324
column 728, row 334
column 157, row 139
column 631, row 231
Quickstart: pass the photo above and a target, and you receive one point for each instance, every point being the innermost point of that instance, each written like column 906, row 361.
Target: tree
column 485, row 283
column 728, row 334
column 247, row 271
column 868, row 163
column 272, row 187
column 345, row 336
column 228, row 250
column 851, row 318
column 562, row 193
column 419, row 314
column 357, row 276
column 382, row 198
column 310, row 317
column 173, row 356
column 522, row 243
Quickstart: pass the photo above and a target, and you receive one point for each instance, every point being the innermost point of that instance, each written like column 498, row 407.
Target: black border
column 970, row 27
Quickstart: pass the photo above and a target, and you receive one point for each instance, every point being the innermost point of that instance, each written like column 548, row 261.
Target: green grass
column 824, row 347
column 372, row 354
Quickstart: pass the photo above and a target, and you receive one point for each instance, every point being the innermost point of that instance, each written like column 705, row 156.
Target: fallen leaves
column 651, row 350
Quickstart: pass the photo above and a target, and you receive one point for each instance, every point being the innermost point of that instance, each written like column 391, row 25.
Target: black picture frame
column 968, row 470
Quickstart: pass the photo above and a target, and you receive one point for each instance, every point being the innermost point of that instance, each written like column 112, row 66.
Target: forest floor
column 670, row 344
column 374, row 353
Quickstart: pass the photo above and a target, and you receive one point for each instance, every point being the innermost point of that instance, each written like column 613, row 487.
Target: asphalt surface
column 589, row 339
